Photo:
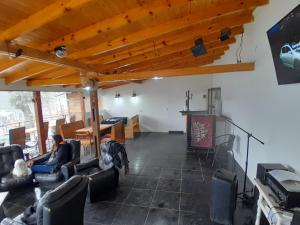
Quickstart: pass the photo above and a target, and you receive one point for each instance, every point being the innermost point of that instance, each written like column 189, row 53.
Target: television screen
column 284, row 38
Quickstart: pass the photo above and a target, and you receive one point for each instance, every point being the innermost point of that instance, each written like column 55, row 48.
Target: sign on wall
column 202, row 131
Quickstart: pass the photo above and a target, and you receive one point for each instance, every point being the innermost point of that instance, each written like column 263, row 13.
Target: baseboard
column 176, row 132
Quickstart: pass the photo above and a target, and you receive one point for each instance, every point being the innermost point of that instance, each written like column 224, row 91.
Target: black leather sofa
column 8, row 156
column 101, row 182
column 114, row 120
column 66, row 170
column 61, row 206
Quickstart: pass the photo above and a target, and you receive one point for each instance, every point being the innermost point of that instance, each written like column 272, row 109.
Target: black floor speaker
column 223, row 197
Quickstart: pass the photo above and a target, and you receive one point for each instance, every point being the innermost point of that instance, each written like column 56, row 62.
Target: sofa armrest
column 42, row 158
column 102, row 182
column 83, row 166
column 68, row 169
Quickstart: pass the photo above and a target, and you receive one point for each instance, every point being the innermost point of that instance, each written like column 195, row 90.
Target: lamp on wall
column 134, row 94
column 117, row 95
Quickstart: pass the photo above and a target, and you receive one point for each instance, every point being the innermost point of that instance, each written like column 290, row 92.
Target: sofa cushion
column 48, row 177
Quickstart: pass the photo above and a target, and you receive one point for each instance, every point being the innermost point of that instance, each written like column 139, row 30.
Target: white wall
column 255, row 100
column 158, row 102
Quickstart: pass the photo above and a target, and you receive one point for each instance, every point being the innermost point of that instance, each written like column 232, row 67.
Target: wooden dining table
column 89, row 130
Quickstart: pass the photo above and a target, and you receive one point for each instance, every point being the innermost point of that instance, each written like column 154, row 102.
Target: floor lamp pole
column 249, row 135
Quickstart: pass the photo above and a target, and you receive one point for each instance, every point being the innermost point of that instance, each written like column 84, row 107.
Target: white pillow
column 20, row 168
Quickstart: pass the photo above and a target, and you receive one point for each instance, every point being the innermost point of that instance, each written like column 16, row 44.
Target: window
column 16, row 110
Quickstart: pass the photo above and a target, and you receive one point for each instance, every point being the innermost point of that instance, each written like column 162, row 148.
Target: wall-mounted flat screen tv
column 284, row 38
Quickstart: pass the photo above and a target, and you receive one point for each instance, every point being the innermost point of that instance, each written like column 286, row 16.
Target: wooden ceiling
column 115, row 40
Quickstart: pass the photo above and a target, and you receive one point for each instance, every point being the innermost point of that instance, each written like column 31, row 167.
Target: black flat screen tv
column 284, row 38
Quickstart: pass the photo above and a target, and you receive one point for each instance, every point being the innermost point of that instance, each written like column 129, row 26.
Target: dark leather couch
column 101, row 182
column 114, row 120
column 65, row 171
column 61, row 206
column 8, row 156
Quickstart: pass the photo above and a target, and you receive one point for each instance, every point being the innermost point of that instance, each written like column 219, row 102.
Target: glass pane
column 16, row 110
column 54, row 106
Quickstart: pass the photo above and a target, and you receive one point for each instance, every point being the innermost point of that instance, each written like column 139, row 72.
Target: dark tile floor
column 167, row 185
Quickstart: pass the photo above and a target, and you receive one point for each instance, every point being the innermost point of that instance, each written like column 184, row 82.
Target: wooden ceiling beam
column 108, row 85
column 40, row 18
column 131, row 16
column 182, row 62
column 210, row 15
column 6, row 62
column 203, row 70
column 165, row 58
column 9, row 49
column 165, row 51
column 26, row 72
column 111, row 84
column 48, row 74
column 13, row 67
column 162, row 42
column 68, row 80
column 56, row 73
column 188, row 63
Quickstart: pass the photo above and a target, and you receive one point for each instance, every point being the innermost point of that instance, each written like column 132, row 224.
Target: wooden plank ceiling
column 109, row 39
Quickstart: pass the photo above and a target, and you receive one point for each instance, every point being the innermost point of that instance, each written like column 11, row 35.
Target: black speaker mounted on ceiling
column 225, row 34
column 199, row 48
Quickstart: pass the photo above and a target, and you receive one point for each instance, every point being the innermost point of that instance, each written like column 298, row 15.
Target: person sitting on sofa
column 60, row 154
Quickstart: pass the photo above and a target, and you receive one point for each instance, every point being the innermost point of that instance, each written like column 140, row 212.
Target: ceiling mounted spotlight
column 18, row 52
column 117, row 95
column 61, row 51
column 225, row 34
column 157, row 78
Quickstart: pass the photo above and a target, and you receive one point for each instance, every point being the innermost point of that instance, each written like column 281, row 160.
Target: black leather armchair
column 100, row 181
column 61, row 206
column 66, row 170
column 8, row 156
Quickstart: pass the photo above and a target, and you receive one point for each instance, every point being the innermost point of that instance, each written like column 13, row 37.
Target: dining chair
column 86, row 140
column 18, row 136
column 225, row 145
column 58, row 124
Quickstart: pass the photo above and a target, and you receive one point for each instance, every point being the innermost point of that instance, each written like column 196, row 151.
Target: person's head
column 57, row 138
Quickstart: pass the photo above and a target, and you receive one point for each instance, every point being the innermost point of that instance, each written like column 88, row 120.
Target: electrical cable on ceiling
column 240, row 49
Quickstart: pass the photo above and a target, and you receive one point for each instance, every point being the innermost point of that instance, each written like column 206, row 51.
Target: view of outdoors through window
column 17, row 110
